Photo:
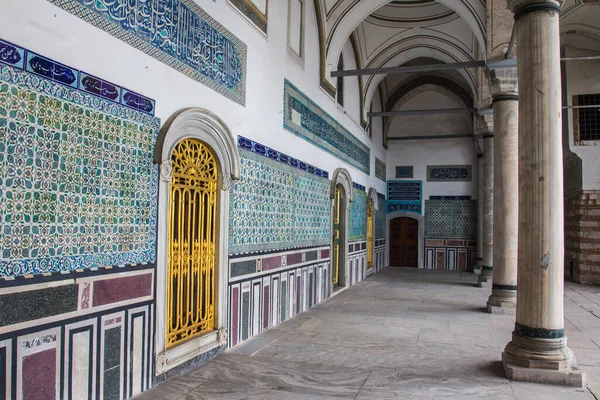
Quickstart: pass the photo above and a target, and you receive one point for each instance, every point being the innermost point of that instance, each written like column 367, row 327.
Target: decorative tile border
column 395, row 207
column 404, row 171
column 380, row 169
column 449, row 173
column 358, row 186
column 175, row 32
column 255, row 147
column 304, row 118
column 449, row 197
column 26, row 60
column 252, row 13
column 450, row 219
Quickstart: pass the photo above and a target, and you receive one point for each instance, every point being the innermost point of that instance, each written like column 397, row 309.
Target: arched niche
column 203, row 125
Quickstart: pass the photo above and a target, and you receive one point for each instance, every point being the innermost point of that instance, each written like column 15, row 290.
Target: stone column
column 485, row 279
column 479, row 250
column 538, row 351
column 503, row 88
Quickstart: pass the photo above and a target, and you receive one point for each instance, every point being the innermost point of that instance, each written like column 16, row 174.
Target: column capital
column 517, row 5
column 485, row 125
column 503, row 82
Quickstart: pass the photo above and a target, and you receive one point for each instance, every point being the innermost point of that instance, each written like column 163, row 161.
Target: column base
column 477, row 266
column 503, row 300
column 532, row 359
column 485, row 279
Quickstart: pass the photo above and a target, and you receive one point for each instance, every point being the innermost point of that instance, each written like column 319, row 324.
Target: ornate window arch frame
column 342, row 177
column 207, row 127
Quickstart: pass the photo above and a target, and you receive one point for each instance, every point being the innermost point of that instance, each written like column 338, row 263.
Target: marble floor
column 401, row 334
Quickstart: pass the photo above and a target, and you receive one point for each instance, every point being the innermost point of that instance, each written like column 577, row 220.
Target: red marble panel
column 440, row 261
column 462, row 260
column 271, row 263
column 434, row 242
column 458, row 243
column 235, row 293
column 325, row 253
column 266, row 304
column 295, row 258
column 119, row 289
column 39, row 375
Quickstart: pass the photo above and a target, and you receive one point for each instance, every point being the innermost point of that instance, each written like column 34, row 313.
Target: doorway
column 404, row 242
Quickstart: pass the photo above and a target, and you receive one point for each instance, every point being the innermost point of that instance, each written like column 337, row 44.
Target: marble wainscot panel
column 379, row 234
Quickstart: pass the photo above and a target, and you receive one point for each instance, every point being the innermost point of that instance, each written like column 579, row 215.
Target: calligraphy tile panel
column 358, row 215
column 306, row 119
column 404, row 196
column 404, row 171
column 380, row 218
column 77, row 183
column 449, row 173
column 175, row 32
column 380, row 169
column 276, row 206
column 449, row 219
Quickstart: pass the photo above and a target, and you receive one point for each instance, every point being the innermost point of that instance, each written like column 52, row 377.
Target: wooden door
column 404, row 242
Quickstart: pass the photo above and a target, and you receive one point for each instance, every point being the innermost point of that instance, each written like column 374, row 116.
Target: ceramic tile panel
column 447, row 219
column 304, row 118
column 358, row 215
column 380, row 169
column 176, row 32
column 404, row 171
column 404, row 196
column 380, row 220
column 78, row 183
column 279, row 202
column 449, row 173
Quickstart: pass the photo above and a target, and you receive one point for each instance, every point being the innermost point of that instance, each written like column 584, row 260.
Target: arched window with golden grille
column 190, row 305
column 370, row 212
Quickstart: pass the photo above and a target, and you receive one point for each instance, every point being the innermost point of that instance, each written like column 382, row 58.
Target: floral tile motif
column 77, row 183
column 175, row 32
column 451, row 219
column 304, row 118
column 358, row 214
column 277, row 204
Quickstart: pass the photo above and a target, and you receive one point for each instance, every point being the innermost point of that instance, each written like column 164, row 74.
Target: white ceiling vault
column 385, row 33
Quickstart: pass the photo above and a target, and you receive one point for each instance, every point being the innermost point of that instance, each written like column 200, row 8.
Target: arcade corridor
column 403, row 333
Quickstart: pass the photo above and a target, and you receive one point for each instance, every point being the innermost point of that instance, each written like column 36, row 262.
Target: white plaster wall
column 420, row 153
column 53, row 32
column 582, row 78
column 351, row 87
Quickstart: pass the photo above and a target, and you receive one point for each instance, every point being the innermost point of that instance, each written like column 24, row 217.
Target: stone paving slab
column 401, row 334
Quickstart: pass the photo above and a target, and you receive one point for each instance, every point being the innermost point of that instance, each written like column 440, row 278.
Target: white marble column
column 479, row 250
column 538, row 351
column 503, row 88
column 485, row 278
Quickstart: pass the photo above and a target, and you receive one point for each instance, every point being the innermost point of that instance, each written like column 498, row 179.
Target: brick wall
column 582, row 237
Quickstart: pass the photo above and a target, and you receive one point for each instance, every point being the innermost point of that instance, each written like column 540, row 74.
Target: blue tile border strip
column 359, row 186
column 449, row 197
column 29, row 61
column 255, row 147
column 177, row 33
column 304, row 118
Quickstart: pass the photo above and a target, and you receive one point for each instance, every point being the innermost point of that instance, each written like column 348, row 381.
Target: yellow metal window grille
column 192, row 238
column 336, row 236
column 370, row 212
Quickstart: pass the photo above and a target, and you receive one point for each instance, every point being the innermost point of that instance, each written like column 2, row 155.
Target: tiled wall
column 78, row 213
column 358, row 214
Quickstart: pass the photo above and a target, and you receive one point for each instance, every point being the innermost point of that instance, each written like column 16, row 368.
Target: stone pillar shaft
column 538, row 351
column 506, row 205
column 485, row 279
column 479, row 251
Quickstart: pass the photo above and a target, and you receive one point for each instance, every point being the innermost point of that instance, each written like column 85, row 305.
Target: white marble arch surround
column 421, row 219
column 207, row 127
column 342, row 177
